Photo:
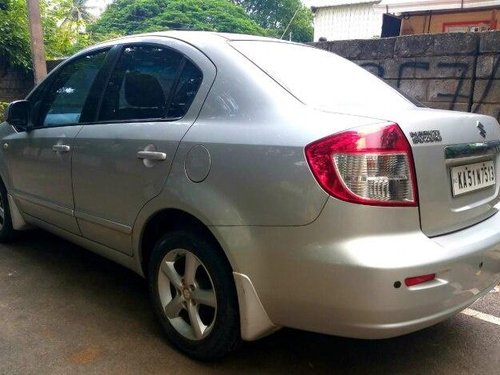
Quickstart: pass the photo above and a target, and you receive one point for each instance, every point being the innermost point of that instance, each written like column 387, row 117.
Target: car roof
column 202, row 36
column 195, row 38
column 203, row 40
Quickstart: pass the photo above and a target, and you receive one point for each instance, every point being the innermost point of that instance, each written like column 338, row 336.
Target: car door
column 39, row 159
column 153, row 96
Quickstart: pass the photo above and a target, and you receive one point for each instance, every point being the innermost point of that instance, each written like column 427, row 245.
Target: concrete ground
column 65, row 310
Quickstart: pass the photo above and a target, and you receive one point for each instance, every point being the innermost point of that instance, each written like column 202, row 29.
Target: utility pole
column 289, row 23
column 37, row 46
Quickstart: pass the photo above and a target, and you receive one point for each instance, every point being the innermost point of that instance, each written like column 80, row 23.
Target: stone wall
column 448, row 71
column 14, row 83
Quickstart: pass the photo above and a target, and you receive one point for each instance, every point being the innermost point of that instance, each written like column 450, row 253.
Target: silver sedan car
column 257, row 184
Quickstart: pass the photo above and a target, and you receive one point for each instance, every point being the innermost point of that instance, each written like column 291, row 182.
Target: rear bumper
column 337, row 275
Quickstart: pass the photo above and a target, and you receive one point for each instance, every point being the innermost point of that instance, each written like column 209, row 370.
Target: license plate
column 472, row 177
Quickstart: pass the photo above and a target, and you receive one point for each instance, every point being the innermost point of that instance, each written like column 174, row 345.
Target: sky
column 97, row 6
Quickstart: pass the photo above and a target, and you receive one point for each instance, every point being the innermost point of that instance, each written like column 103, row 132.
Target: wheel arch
column 170, row 219
column 3, row 179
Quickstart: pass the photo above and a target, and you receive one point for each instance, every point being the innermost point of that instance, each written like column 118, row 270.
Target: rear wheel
column 6, row 231
column 194, row 295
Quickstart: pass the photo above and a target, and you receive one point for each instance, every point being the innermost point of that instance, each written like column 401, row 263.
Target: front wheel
column 6, row 230
column 194, row 296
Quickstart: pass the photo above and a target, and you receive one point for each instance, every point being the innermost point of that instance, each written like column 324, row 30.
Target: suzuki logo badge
column 481, row 129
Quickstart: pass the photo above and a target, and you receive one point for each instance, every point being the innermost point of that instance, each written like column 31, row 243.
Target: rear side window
column 149, row 82
column 189, row 83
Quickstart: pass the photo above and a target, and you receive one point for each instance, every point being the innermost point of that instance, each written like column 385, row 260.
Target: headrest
column 143, row 90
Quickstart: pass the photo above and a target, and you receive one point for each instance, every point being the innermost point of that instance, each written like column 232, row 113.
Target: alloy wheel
column 187, row 294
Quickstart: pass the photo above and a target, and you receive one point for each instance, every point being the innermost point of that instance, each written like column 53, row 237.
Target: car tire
column 6, row 230
column 194, row 296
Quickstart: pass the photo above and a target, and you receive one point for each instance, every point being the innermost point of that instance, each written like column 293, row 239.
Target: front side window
column 148, row 82
column 64, row 100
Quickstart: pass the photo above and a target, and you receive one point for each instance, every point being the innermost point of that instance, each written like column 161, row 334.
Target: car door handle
column 61, row 148
column 152, row 155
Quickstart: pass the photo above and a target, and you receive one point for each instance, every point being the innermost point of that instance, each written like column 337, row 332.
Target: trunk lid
column 453, row 148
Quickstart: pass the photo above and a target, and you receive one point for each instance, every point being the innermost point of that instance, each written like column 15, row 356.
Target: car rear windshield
column 321, row 79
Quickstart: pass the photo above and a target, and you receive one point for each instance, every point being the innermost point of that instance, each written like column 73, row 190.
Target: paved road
column 64, row 310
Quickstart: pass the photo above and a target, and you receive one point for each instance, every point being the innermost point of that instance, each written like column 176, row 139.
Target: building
column 431, row 16
column 365, row 19
column 346, row 19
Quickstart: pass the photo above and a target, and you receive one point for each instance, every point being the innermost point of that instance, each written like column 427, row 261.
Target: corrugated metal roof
column 359, row 21
column 337, row 3
column 403, row 6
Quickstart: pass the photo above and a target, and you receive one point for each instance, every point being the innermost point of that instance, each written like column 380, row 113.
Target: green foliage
column 63, row 25
column 3, row 108
column 14, row 39
column 69, row 27
column 133, row 16
column 126, row 16
column 73, row 13
column 289, row 17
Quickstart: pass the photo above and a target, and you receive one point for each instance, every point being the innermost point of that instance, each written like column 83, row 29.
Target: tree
column 281, row 16
column 75, row 13
column 36, row 41
column 133, row 16
column 71, row 17
column 59, row 41
column 14, row 37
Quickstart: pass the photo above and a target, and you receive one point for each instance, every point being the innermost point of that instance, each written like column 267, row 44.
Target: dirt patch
column 84, row 356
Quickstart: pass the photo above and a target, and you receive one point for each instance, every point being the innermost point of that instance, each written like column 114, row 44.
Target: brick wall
column 449, row 71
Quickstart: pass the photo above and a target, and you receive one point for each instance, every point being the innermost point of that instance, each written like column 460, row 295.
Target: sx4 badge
column 426, row 136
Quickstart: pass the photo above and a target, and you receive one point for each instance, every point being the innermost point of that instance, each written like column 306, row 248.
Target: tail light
column 369, row 165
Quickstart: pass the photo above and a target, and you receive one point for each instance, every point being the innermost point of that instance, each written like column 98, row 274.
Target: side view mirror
column 18, row 114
